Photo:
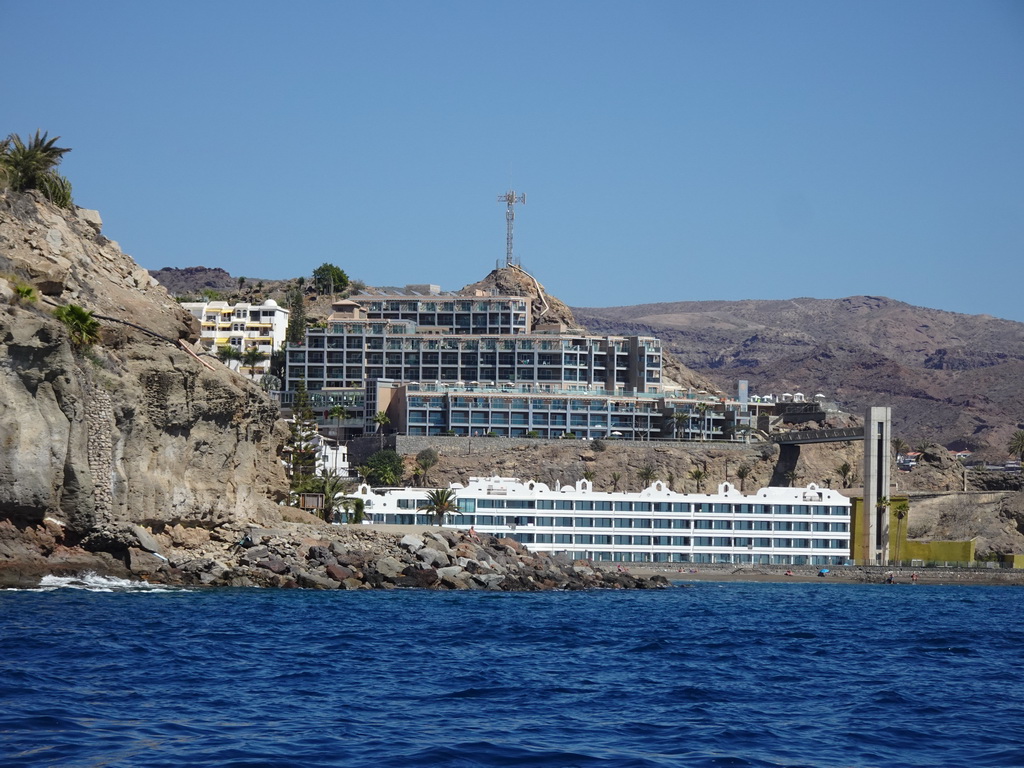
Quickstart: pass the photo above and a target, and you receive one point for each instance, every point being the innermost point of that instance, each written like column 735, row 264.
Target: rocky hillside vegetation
column 950, row 378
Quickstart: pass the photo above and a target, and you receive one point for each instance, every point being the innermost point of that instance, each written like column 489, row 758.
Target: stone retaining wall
column 410, row 445
column 99, row 415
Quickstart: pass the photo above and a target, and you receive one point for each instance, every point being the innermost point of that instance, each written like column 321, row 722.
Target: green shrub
column 56, row 189
column 83, row 328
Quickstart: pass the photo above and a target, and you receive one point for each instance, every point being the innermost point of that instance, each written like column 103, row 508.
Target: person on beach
column 913, row 577
column 473, row 534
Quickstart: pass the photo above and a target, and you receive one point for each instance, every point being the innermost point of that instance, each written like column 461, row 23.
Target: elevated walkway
column 804, row 437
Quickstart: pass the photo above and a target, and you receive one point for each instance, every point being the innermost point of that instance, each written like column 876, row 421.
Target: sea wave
column 94, row 582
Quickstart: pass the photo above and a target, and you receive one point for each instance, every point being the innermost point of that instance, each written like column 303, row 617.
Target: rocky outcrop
column 306, row 555
column 135, row 429
column 362, row 557
column 546, row 309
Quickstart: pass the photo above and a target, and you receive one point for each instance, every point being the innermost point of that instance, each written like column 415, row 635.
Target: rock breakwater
column 308, row 556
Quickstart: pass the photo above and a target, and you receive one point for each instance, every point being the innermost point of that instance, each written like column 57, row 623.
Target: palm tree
column 227, row 354
column 338, row 413
column 743, row 472
column 900, row 446
column 31, row 165
column 702, row 409
column 791, row 477
column 646, row 474
column 425, row 461
column 616, row 478
column 83, row 328
column 589, row 475
column 251, row 358
column 845, row 473
column 332, row 485
column 1016, row 444
column 900, row 509
column 380, row 418
column 440, row 502
column 698, row 476
column 680, row 418
column 354, row 509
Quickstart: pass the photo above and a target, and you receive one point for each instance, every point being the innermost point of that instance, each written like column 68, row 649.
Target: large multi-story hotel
column 780, row 526
column 455, row 365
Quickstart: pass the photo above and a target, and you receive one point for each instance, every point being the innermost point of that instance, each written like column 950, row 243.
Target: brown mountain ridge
column 950, row 377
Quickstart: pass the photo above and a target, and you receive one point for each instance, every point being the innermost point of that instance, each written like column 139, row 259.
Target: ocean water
column 712, row 674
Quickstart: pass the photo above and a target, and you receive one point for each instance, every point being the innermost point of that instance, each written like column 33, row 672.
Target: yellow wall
column 941, row 551
column 900, row 548
column 860, row 550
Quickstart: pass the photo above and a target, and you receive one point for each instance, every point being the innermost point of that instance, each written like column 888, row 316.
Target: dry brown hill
column 950, row 377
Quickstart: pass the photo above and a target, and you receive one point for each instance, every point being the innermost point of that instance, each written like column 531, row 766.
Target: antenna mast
column 510, row 198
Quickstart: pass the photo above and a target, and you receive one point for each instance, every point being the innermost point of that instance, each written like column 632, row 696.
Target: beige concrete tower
column 877, row 439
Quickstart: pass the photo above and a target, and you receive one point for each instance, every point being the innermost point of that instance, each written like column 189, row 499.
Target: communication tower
column 510, row 198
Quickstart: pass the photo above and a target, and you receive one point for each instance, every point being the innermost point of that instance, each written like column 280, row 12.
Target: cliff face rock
column 513, row 281
column 134, row 429
column 194, row 279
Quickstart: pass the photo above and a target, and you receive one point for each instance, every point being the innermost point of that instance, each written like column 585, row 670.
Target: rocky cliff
column 132, row 430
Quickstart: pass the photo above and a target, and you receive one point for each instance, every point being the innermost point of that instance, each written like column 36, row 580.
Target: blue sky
column 669, row 151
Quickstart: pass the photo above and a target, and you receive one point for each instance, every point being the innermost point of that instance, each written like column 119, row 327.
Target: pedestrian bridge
column 804, row 437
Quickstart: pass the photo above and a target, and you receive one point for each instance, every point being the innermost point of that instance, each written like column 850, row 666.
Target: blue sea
column 709, row 674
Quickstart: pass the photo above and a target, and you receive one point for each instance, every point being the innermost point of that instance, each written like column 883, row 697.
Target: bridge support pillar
column 877, row 439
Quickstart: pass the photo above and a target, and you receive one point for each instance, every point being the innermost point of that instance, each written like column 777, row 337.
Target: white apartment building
column 241, row 326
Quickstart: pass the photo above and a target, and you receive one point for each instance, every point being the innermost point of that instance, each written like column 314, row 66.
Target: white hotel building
column 241, row 326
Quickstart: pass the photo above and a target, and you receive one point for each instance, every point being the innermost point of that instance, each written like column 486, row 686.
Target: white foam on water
column 94, row 582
